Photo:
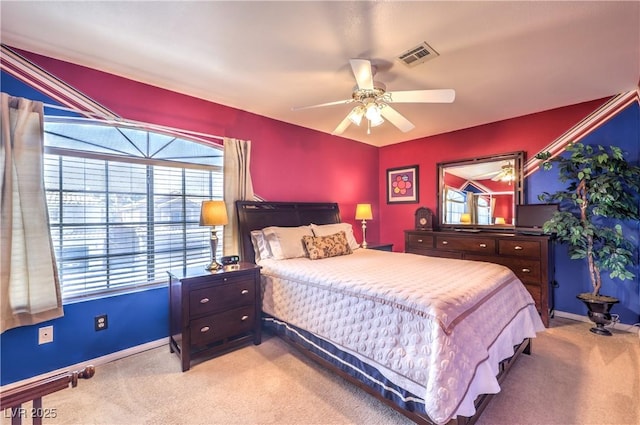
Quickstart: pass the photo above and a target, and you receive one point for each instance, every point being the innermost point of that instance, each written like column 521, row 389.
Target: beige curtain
column 237, row 187
column 30, row 289
column 472, row 207
column 492, row 209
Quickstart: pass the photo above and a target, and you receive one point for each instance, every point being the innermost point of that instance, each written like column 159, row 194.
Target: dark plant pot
column 599, row 307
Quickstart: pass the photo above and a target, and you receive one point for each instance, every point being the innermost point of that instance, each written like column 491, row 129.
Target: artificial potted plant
column 603, row 191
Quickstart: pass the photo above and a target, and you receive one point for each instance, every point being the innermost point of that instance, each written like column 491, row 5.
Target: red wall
column 530, row 133
column 292, row 163
column 288, row 163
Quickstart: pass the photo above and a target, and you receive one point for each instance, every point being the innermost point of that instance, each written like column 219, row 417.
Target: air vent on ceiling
column 418, row 54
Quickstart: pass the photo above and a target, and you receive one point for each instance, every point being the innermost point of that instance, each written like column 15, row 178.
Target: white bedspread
column 439, row 327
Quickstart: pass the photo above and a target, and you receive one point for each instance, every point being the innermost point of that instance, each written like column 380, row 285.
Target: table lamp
column 363, row 212
column 213, row 213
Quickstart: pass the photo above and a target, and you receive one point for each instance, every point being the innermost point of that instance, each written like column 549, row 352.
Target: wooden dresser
column 529, row 256
column 213, row 312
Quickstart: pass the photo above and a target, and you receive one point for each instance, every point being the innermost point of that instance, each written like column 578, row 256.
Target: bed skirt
column 369, row 378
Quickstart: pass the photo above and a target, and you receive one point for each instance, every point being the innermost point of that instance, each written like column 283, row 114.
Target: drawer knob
column 204, row 329
column 526, row 270
column 244, row 292
column 518, row 248
column 483, row 245
column 204, row 300
column 419, row 240
column 445, row 243
column 244, row 318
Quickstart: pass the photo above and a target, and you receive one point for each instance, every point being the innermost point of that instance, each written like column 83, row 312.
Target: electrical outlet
column 45, row 335
column 101, row 323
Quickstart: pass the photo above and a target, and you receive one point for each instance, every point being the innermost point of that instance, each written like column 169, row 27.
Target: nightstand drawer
column 219, row 326
column 479, row 244
column 519, row 248
column 217, row 297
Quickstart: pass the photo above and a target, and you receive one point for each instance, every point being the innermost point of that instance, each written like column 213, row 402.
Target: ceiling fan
column 506, row 174
column 372, row 100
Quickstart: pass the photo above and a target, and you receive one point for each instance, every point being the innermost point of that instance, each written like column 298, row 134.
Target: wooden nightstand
column 213, row 312
column 380, row 246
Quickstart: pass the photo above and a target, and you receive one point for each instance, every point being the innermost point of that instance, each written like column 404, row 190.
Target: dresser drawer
column 536, row 294
column 519, row 248
column 216, row 327
column 419, row 241
column 216, row 297
column 528, row 271
column 479, row 244
column 443, row 254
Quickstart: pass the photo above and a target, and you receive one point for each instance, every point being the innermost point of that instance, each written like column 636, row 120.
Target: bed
column 430, row 337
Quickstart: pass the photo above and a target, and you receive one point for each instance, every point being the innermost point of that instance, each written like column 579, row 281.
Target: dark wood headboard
column 258, row 215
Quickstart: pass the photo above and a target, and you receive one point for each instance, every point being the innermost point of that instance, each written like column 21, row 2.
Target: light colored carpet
column 572, row 377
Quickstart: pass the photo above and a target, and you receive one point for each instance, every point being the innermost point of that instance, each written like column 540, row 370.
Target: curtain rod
column 116, row 119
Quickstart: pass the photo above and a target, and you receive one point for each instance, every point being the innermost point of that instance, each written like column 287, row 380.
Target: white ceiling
column 504, row 59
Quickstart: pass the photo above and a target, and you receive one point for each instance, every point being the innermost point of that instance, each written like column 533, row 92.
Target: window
column 484, row 209
column 455, row 203
column 124, row 204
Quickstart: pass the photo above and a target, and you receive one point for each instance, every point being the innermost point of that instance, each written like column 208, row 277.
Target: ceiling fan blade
column 486, row 175
column 423, row 96
column 320, row 105
column 342, row 126
column 396, row 119
column 363, row 73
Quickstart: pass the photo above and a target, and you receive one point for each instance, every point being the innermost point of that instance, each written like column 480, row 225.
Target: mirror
column 480, row 193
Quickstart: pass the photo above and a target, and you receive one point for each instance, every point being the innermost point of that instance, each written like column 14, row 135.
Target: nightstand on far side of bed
column 380, row 246
column 213, row 312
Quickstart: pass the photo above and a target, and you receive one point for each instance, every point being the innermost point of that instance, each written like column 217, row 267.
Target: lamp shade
column 465, row 218
column 363, row 212
column 372, row 112
column 213, row 213
column 355, row 116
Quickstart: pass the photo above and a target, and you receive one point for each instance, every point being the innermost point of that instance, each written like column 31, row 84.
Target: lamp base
column 364, row 234
column 214, row 266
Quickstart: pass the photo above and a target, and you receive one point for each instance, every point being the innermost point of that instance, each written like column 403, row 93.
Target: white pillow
column 330, row 229
column 260, row 246
column 286, row 242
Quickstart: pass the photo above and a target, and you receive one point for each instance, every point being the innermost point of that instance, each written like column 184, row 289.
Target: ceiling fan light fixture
column 355, row 116
column 373, row 113
column 507, row 174
column 376, row 122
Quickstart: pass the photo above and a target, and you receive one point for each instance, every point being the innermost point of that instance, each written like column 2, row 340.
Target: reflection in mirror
column 480, row 192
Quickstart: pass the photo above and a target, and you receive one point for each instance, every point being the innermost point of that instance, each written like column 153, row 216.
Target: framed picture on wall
column 402, row 185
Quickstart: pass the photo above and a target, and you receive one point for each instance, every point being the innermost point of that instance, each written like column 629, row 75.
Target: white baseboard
column 95, row 362
column 582, row 318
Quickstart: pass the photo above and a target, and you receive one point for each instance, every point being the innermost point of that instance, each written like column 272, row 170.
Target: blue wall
column 622, row 130
column 133, row 319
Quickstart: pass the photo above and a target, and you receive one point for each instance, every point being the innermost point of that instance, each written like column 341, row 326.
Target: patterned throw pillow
column 327, row 246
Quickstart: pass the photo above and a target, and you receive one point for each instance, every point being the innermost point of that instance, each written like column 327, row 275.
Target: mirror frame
column 518, row 189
